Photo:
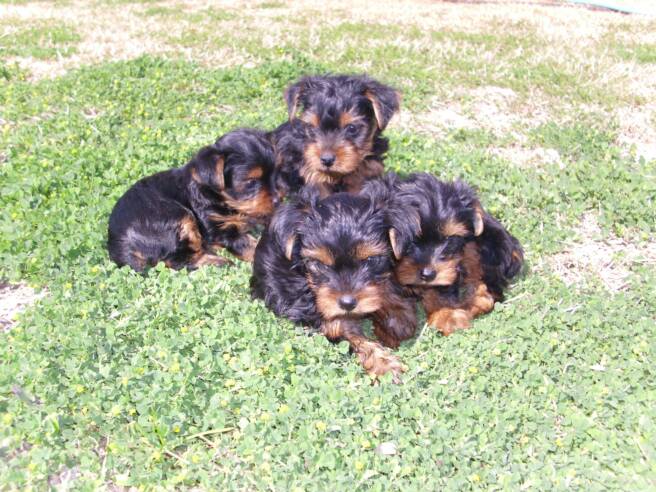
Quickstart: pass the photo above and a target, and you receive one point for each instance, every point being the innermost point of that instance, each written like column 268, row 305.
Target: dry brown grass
column 591, row 256
column 579, row 40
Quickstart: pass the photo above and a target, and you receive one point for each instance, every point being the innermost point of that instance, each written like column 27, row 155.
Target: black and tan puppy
column 453, row 255
column 327, row 263
column 336, row 144
column 182, row 215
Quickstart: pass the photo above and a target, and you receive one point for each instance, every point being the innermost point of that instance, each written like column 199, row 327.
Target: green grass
column 179, row 380
column 43, row 42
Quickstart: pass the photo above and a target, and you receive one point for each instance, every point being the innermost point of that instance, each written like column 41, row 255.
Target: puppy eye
column 351, row 129
column 373, row 260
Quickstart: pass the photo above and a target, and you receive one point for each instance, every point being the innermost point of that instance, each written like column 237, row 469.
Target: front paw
column 377, row 362
column 449, row 320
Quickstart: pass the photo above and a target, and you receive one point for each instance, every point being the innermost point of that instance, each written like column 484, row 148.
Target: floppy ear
column 289, row 246
column 397, row 248
column 207, row 168
column 384, row 100
column 478, row 219
column 292, row 95
column 218, row 173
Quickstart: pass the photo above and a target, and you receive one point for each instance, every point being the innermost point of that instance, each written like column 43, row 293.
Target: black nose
column 327, row 159
column 427, row 274
column 347, row 303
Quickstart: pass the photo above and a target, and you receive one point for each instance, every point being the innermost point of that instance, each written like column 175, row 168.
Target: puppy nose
column 427, row 274
column 327, row 159
column 347, row 303
column 275, row 200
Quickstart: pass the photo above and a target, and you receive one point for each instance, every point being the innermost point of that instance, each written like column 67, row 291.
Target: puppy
column 336, row 144
column 453, row 255
column 181, row 215
column 327, row 263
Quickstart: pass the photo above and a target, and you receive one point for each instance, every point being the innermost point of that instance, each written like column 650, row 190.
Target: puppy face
column 432, row 222
column 245, row 167
column 346, row 254
column 342, row 115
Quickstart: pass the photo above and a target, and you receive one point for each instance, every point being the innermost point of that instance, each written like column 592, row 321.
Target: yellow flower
column 79, row 388
column 359, row 465
column 283, row 409
column 321, row 426
column 365, row 443
column 473, row 370
column 475, row 478
column 176, row 429
column 7, row 419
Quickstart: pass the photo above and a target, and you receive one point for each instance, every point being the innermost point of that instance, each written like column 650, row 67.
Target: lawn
column 112, row 380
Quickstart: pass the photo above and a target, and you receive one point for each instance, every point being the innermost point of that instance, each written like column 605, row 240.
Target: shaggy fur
column 449, row 252
column 327, row 263
column 335, row 144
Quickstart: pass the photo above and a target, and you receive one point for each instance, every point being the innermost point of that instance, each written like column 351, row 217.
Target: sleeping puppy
column 182, row 215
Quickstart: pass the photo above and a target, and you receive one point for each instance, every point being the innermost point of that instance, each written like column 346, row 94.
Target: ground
column 116, row 381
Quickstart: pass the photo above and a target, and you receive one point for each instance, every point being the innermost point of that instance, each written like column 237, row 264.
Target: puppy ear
column 384, row 100
column 289, row 246
column 397, row 248
column 292, row 95
column 479, row 214
column 207, row 168
column 218, row 172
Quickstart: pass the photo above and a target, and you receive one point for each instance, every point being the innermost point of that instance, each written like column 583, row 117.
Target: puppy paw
column 449, row 320
column 378, row 361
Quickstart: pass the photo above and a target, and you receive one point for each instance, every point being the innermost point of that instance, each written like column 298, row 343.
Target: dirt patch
column 14, row 298
column 528, row 157
column 494, row 109
column 607, row 259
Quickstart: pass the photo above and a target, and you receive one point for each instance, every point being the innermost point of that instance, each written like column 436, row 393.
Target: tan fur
column 311, row 119
column 220, row 180
column 238, row 221
column 289, row 247
column 188, row 230
column 255, row 173
column 364, row 250
column 321, row 254
column 478, row 220
column 260, row 206
column 453, row 228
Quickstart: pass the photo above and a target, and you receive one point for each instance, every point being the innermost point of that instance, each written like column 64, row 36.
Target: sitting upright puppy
column 328, row 264
column 336, row 144
column 453, row 255
column 181, row 215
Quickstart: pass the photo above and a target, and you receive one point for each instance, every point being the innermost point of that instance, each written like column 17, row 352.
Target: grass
column 179, row 380
column 40, row 41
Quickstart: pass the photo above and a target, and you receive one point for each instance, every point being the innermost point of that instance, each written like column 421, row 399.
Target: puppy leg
column 443, row 315
column 396, row 322
column 243, row 248
column 478, row 299
column 372, row 356
column 190, row 239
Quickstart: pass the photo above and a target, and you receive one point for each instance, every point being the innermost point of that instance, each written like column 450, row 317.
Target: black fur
column 180, row 215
